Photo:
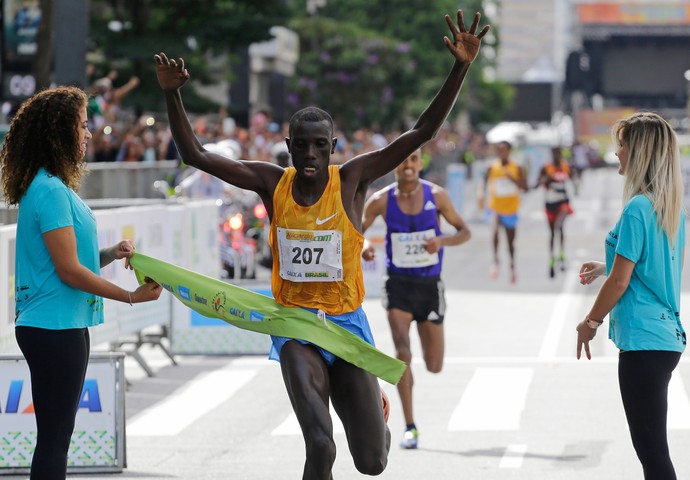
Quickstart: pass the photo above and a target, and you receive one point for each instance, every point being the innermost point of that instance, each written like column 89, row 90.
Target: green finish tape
column 252, row 311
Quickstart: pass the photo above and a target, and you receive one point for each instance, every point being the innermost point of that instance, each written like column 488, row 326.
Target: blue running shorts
column 508, row 221
column 355, row 322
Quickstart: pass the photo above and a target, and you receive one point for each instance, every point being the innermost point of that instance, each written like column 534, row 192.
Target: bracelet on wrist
column 129, row 297
column 592, row 323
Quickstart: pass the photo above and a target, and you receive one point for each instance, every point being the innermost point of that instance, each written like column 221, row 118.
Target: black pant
column 643, row 377
column 57, row 361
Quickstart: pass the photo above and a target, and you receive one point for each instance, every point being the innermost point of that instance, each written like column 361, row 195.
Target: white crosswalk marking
column 181, row 409
column 590, row 220
column 513, row 456
column 493, row 400
column 559, row 315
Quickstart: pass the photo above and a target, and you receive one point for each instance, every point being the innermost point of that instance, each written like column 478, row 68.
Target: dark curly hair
column 44, row 133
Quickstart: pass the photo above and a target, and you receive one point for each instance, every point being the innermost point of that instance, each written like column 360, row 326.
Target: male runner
column 413, row 289
column 316, row 221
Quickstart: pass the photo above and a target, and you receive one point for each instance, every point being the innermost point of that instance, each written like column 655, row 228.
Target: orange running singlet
column 504, row 194
column 316, row 250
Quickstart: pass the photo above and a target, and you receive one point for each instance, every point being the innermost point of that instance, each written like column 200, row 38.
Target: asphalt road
column 512, row 402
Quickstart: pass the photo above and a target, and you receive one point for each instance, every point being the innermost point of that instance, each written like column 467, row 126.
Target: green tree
column 348, row 71
column 487, row 101
column 415, row 30
column 125, row 34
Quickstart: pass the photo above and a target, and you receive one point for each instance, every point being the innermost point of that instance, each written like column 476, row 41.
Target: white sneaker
column 409, row 441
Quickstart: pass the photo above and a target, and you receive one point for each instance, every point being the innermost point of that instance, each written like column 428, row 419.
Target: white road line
column 181, row 409
column 591, row 219
column 561, row 312
column 493, row 400
column 290, row 425
column 678, row 404
column 493, row 360
column 531, row 360
column 513, row 456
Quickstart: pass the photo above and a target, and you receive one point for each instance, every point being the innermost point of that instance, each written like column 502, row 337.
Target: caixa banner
column 98, row 440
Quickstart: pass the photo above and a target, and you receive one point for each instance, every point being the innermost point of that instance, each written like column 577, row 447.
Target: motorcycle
column 259, row 230
column 239, row 240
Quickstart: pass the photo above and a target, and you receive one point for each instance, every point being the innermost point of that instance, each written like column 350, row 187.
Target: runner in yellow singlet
column 316, row 223
column 505, row 180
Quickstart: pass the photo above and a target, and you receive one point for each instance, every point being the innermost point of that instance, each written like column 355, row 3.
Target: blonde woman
column 641, row 294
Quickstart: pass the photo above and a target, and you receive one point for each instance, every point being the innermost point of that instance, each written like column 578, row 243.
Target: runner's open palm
column 171, row 73
column 464, row 45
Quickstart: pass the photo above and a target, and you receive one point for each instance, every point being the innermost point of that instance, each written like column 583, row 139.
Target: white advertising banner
column 98, row 442
column 146, row 227
column 192, row 333
column 374, row 270
column 174, row 233
column 185, row 234
column 7, row 242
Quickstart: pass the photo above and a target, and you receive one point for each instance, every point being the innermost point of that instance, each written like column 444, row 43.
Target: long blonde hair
column 653, row 167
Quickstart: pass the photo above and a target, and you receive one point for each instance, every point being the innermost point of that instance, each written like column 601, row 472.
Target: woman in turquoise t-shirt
column 641, row 294
column 59, row 292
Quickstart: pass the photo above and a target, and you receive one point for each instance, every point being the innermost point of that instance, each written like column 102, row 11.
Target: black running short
column 423, row 297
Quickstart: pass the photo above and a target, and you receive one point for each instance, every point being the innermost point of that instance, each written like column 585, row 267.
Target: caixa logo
column 90, row 399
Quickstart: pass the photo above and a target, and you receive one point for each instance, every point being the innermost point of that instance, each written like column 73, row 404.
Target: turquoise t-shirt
column 647, row 316
column 42, row 299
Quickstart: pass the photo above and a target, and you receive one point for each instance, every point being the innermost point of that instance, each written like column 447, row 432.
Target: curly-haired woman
column 59, row 292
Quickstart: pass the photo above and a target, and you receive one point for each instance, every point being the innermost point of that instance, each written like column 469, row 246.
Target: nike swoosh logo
column 321, row 222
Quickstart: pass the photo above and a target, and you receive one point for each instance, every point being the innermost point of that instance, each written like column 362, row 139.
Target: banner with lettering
column 252, row 311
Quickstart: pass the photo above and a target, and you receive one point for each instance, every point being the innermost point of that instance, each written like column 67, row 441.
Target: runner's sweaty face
column 311, row 145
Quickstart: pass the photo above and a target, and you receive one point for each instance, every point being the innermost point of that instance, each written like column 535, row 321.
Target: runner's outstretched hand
column 464, row 45
column 171, row 73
